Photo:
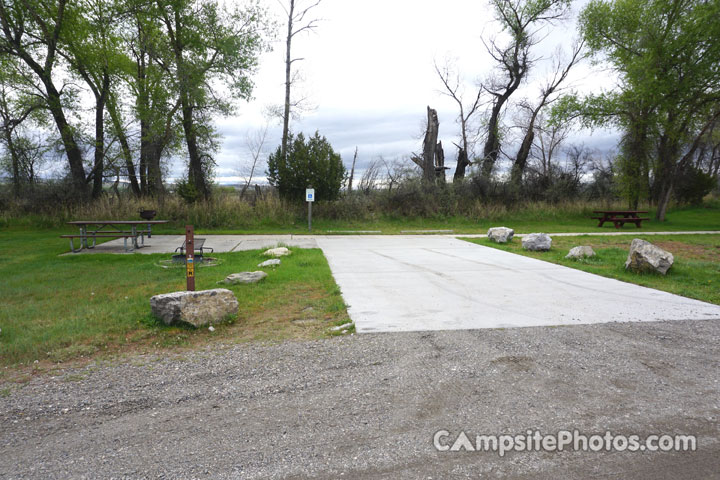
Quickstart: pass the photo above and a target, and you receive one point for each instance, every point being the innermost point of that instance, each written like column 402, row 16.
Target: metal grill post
column 190, row 257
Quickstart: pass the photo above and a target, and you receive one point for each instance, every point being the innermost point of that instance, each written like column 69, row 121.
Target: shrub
column 312, row 163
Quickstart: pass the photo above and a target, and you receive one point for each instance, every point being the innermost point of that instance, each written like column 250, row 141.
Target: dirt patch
column 690, row 251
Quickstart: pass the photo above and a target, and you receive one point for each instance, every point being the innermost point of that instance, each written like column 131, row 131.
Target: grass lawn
column 695, row 273
column 58, row 308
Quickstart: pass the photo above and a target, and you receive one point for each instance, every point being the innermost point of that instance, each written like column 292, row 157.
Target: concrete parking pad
column 414, row 283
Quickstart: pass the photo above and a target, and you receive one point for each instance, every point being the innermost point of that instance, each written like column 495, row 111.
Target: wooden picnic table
column 94, row 229
column 620, row 217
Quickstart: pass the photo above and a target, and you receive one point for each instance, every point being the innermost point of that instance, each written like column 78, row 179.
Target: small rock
column 211, row 328
column 341, row 327
column 273, row 262
column 500, row 234
column 196, row 308
column 244, row 277
column 276, row 252
column 537, row 242
column 581, row 252
column 646, row 257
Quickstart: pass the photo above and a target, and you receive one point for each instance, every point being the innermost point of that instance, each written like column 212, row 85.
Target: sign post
column 190, row 257
column 310, row 198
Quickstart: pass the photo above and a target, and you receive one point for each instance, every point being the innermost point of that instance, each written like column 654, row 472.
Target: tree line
column 155, row 71
column 666, row 102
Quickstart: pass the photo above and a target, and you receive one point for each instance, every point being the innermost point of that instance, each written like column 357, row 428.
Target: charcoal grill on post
column 148, row 215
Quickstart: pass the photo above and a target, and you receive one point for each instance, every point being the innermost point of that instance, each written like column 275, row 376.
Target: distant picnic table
column 620, row 217
column 125, row 229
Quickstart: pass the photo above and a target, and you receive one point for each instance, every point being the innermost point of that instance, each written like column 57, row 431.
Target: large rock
column 500, row 234
column 537, row 242
column 276, row 252
column 581, row 252
column 646, row 257
column 244, row 277
column 196, row 308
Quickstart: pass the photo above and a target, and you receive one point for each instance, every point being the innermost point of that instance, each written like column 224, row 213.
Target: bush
column 312, row 163
column 691, row 185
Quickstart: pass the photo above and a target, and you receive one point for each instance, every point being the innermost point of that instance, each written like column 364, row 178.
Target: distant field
column 695, row 273
column 59, row 308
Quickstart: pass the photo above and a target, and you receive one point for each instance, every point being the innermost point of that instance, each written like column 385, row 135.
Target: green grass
column 59, row 308
column 695, row 273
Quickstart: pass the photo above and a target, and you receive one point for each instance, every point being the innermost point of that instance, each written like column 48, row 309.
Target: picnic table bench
column 199, row 246
column 94, row 229
column 620, row 217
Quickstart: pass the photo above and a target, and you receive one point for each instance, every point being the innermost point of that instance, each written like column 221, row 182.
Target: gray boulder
column 537, row 242
column 646, row 257
column 196, row 308
column 244, row 277
column 273, row 262
column 580, row 252
column 500, row 234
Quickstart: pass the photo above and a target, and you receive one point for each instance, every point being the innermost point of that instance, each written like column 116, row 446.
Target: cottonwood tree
column 31, row 34
column 521, row 20
column 298, row 22
column 665, row 55
column 548, row 94
column 453, row 88
column 93, row 51
column 22, row 152
column 210, row 45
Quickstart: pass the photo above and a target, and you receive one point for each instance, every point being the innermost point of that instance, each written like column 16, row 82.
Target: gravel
column 367, row 406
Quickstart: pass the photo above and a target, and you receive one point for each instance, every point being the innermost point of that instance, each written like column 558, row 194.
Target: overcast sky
column 368, row 71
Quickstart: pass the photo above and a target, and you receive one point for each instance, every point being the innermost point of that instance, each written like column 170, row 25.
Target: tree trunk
column 352, row 171
column 195, row 167
column 520, row 163
column 462, row 164
column 124, row 146
column 98, row 166
column 288, row 64
column 665, row 173
column 429, row 145
column 440, row 164
column 72, row 151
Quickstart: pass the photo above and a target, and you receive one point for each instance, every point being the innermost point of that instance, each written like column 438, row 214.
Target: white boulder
column 537, row 242
column 646, row 257
column 276, row 252
column 583, row 251
column 500, row 234
column 200, row 308
column 244, row 277
column 273, row 262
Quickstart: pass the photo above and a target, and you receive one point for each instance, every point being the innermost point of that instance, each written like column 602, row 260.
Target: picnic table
column 620, row 217
column 125, row 229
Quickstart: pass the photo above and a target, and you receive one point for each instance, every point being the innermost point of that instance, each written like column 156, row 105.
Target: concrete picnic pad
column 437, row 282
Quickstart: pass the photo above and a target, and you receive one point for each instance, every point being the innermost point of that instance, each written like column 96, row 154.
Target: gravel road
column 367, row 406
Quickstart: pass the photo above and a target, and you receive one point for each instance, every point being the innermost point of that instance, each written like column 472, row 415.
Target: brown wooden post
column 190, row 257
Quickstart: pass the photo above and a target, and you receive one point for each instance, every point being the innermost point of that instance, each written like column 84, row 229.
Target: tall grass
column 405, row 204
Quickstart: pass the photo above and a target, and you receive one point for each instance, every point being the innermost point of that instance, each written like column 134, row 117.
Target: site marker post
column 309, row 198
column 190, row 257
